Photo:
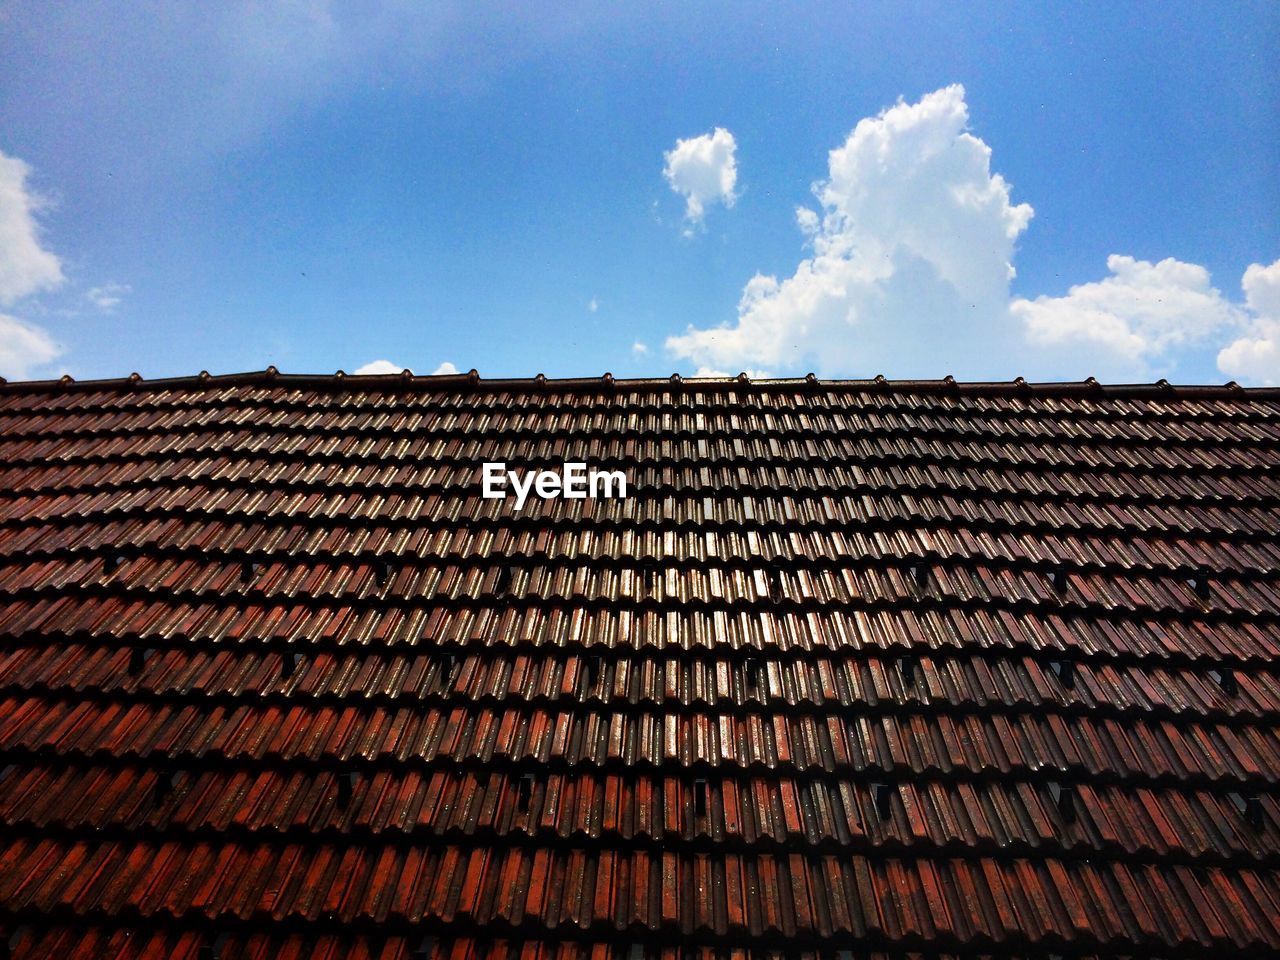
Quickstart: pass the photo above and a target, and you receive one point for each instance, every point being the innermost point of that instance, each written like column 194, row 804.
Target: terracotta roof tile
column 898, row 669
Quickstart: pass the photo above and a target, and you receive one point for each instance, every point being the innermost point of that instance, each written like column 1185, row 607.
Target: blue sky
column 1051, row 191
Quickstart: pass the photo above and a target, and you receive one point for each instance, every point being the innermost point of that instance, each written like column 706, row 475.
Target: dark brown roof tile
column 921, row 668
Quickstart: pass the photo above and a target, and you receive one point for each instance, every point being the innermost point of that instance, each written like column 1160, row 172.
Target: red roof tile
column 907, row 669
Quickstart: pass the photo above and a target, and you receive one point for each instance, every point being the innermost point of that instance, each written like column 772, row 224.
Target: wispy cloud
column 232, row 71
column 108, row 296
column 24, row 347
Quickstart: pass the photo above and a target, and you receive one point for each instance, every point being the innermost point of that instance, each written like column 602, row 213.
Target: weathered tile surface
column 909, row 669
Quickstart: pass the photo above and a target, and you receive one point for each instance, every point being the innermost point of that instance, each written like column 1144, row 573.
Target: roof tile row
column 602, row 449
column 411, row 583
column 304, row 626
column 1001, row 819
column 598, row 735
column 124, row 943
column 790, row 509
column 940, row 901
column 960, row 478
column 631, row 419
column 967, row 682
column 909, row 545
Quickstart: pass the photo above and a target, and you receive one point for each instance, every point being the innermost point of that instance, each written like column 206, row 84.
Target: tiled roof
column 897, row 668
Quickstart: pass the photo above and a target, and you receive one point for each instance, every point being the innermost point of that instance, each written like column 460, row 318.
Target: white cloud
column 704, row 171
column 722, row 374
column 1138, row 315
column 108, row 296
column 912, row 259
column 380, row 367
column 640, row 349
column 593, row 305
column 1255, row 357
column 913, row 248
column 377, row 367
column 808, row 221
column 25, row 266
column 22, row 347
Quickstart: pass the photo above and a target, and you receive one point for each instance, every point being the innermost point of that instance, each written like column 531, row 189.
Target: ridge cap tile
column 471, row 381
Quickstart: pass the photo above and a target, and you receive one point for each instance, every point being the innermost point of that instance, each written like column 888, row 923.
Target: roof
column 899, row 668
column 407, row 380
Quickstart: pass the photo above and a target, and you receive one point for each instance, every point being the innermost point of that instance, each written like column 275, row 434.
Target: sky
column 1052, row 191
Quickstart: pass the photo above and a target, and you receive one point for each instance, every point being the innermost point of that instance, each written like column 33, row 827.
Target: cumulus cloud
column 703, row 170
column 1255, row 357
column 912, row 246
column 1139, row 314
column 722, row 374
column 108, row 296
column 640, row 349
column 25, row 266
column 808, row 221
column 23, row 346
column 377, row 367
column 914, row 242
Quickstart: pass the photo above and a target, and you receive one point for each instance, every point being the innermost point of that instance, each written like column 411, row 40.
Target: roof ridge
column 1018, row 387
